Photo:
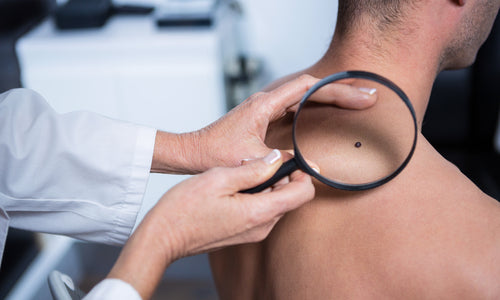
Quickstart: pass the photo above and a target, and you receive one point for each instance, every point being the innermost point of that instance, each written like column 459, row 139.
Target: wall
column 288, row 35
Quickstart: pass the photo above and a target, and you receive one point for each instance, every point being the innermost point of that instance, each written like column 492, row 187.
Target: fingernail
column 369, row 91
column 272, row 157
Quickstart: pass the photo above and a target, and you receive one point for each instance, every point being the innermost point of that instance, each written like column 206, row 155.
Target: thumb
column 255, row 172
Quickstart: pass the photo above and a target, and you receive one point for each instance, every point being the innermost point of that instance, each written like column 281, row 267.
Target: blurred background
column 178, row 65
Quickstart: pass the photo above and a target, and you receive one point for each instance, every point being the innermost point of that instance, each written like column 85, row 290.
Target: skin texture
column 207, row 212
column 428, row 234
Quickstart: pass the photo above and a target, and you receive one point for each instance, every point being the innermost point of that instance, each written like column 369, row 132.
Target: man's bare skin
column 429, row 233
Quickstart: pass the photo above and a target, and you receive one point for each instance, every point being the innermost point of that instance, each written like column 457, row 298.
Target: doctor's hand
column 207, row 212
column 241, row 133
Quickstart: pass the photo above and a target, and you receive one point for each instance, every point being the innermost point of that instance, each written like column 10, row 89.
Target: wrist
column 163, row 234
column 177, row 153
column 144, row 258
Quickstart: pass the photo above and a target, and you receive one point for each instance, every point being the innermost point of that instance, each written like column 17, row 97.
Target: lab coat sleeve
column 78, row 174
column 113, row 289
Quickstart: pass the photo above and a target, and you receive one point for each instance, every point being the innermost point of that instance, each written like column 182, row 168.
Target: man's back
column 428, row 233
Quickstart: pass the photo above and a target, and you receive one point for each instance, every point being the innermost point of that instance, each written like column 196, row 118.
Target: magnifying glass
column 355, row 149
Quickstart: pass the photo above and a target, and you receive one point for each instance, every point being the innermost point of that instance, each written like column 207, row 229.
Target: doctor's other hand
column 241, row 133
column 207, row 212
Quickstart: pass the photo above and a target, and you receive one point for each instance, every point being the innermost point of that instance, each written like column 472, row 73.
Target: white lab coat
column 77, row 174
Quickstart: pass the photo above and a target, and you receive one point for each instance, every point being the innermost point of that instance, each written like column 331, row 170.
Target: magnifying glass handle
column 286, row 169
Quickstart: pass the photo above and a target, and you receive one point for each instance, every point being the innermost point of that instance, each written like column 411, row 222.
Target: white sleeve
column 78, row 174
column 113, row 289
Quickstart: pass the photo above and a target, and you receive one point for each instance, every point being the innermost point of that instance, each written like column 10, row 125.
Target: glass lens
column 355, row 147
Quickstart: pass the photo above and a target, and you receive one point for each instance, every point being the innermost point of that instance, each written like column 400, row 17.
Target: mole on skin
column 357, row 145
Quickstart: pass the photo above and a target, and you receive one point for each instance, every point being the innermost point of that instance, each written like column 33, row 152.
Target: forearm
column 177, row 153
column 144, row 259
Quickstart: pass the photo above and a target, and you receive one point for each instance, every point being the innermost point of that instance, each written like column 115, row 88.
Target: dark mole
column 357, row 145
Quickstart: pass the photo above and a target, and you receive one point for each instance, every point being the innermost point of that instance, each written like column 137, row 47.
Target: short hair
column 387, row 13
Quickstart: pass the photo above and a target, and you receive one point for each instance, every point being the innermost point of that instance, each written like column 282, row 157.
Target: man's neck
column 412, row 66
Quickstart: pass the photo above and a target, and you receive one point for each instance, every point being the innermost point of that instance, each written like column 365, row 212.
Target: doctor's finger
column 345, row 96
column 287, row 96
column 252, row 172
column 283, row 198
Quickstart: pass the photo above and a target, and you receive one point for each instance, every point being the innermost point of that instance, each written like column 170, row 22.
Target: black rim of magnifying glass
column 361, row 75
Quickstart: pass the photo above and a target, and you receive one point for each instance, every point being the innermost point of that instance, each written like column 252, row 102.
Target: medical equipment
column 182, row 13
column 357, row 151
column 77, row 14
column 62, row 287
